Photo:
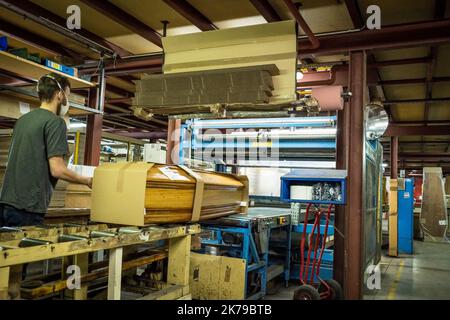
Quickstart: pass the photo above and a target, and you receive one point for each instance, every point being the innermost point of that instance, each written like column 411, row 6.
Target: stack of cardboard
column 146, row 193
column 235, row 85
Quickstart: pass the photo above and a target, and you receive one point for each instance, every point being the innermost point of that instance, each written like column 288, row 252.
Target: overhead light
column 299, row 75
column 385, row 165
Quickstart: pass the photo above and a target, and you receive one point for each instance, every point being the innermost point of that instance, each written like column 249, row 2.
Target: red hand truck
column 314, row 287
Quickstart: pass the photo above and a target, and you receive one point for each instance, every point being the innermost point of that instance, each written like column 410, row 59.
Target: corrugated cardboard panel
column 118, row 193
column 239, row 47
column 217, row 277
column 433, row 216
column 393, row 218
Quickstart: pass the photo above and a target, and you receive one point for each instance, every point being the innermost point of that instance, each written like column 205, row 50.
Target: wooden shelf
column 33, row 70
column 30, row 96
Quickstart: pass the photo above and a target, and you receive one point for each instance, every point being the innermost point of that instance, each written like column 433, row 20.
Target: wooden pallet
column 178, row 254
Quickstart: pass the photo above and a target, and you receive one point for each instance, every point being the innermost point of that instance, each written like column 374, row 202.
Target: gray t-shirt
column 28, row 184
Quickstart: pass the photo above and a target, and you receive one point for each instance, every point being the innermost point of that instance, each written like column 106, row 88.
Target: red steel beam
column 125, row 19
column 93, row 133
column 314, row 43
column 388, row 37
column 194, row 16
column 266, row 10
column 34, row 9
column 355, row 13
column 430, row 130
column 394, row 157
column 353, row 277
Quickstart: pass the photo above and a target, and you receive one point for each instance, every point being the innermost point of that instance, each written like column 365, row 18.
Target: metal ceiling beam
column 388, row 37
column 266, row 10
column 410, row 101
column 31, row 9
column 312, row 42
column 355, row 13
column 436, row 130
column 125, row 19
column 124, row 66
column 415, row 81
column 389, row 63
column 35, row 40
column 194, row 16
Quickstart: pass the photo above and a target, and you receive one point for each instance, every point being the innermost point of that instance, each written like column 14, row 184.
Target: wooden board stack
column 172, row 194
column 168, row 201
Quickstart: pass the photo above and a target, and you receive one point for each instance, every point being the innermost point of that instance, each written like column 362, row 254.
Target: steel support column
column 93, row 133
column 394, row 157
column 173, row 141
column 339, row 261
column 353, row 275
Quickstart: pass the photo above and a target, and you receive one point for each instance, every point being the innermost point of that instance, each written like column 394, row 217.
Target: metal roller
column 9, row 229
column 102, row 234
column 128, row 230
column 29, row 242
column 69, row 237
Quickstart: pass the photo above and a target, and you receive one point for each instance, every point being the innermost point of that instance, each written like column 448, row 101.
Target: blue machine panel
column 325, row 178
column 405, row 216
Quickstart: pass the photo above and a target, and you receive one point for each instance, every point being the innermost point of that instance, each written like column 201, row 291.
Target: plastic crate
column 60, row 67
column 20, row 52
column 3, row 43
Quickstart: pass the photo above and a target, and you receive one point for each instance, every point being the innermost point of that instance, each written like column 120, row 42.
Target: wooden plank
column 56, row 286
column 37, row 232
column 179, row 259
column 4, row 283
column 82, row 261
column 115, row 274
column 393, row 218
column 33, row 70
column 173, row 292
column 56, row 250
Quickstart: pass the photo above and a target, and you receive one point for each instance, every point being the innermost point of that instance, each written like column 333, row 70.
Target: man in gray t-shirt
column 36, row 157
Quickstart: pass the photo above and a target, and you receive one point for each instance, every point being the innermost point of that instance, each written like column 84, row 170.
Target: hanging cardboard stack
column 235, row 85
column 146, row 193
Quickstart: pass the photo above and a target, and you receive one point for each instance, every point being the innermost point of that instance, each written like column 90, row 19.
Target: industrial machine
column 405, row 215
column 321, row 190
column 261, row 238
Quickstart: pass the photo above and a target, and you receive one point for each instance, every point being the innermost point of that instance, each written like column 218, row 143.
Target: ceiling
column 322, row 16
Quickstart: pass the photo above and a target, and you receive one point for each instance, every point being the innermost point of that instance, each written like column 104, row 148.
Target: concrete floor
column 423, row 275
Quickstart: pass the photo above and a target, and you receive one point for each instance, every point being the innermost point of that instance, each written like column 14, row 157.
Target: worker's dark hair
column 51, row 84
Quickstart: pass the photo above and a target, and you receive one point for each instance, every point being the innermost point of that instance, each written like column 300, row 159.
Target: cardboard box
column 142, row 193
column 217, row 277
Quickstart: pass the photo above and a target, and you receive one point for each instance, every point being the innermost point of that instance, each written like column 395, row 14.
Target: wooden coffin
column 146, row 193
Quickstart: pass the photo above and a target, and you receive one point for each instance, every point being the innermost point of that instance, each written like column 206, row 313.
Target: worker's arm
column 59, row 170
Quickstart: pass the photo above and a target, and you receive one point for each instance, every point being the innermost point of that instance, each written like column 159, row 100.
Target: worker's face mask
column 63, row 106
